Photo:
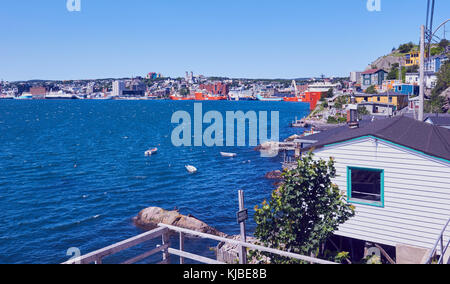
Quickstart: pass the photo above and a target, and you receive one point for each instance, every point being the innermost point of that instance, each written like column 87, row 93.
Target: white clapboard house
column 396, row 172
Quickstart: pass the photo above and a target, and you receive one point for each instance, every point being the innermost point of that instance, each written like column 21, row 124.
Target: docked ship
column 60, row 96
column 180, row 98
column 241, row 95
column 200, row 96
column 25, row 96
column 292, row 99
column 6, row 97
column 268, row 99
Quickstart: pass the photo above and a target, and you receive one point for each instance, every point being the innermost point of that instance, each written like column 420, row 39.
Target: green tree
column 393, row 74
column 303, row 212
column 371, row 90
column 436, row 102
column 405, row 48
column 444, row 43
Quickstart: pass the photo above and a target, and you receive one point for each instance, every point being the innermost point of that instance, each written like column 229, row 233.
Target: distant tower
column 118, row 88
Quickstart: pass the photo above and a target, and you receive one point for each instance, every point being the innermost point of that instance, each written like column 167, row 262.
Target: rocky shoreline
column 149, row 218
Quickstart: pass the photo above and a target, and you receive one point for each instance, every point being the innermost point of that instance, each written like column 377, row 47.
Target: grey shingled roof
column 426, row 138
column 441, row 120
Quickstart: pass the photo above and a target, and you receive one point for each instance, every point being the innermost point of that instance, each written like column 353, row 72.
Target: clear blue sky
column 234, row 38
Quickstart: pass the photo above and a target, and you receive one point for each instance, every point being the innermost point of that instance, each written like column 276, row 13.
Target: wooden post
column 242, row 250
column 181, row 247
column 165, row 240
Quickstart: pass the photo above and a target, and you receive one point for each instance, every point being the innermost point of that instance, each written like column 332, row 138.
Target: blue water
column 74, row 174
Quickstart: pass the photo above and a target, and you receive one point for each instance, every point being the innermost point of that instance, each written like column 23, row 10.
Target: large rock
column 149, row 219
column 274, row 175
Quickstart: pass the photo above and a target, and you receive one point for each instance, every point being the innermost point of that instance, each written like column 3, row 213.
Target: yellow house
column 398, row 100
column 412, row 58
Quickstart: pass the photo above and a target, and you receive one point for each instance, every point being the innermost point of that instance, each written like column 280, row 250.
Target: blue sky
column 40, row 39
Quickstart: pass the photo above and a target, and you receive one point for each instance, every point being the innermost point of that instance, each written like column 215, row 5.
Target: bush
column 407, row 47
column 371, row 90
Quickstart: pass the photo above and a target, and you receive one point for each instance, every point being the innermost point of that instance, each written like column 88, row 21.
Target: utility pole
column 422, row 72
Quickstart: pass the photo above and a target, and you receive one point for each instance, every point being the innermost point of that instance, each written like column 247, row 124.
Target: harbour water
column 74, row 173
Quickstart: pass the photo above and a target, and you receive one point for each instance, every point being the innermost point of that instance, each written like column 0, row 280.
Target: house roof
column 439, row 120
column 385, row 94
column 372, row 71
column 407, row 132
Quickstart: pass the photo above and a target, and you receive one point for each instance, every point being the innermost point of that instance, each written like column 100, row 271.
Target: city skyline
column 254, row 39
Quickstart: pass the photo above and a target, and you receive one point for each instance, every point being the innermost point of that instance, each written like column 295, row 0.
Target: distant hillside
column 398, row 56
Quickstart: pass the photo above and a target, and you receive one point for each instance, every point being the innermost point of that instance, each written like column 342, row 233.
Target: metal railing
column 440, row 245
column 165, row 231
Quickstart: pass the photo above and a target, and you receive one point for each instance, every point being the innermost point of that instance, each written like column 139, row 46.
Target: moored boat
column 191, row 169
column 151, row 152
column 228, row 155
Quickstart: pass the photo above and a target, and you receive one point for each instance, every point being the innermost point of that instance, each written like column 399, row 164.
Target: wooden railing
column 164, row 231
column 98, row 256
column 441, row 246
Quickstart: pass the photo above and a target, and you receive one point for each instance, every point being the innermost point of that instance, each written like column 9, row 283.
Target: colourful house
column 412, row 58
column 398, row 100
column 407, row 89
column 373, row 77
column 389, row 85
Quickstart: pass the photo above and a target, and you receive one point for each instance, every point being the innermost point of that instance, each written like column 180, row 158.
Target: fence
column 164, row 231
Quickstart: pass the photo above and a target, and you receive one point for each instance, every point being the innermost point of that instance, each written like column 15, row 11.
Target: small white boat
column 228, row 155
column 151, row 152
column 191, row 169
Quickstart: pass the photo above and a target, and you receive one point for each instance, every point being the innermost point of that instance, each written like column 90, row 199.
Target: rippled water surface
column 74, row 174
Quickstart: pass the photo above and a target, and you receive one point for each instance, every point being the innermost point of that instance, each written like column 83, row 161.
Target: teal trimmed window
column 365, row 186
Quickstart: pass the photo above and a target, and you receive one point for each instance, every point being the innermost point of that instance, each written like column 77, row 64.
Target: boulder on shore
column 274, row 175
column 149, row 219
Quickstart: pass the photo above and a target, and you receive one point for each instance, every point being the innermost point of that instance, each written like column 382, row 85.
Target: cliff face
column 386, row 62
column 446, row 95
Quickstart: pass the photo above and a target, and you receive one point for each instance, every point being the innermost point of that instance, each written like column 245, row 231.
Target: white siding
column 416, row 193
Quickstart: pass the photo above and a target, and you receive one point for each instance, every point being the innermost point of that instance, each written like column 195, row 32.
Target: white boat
column 228, row 155
column 151, row 152
column 191, row 169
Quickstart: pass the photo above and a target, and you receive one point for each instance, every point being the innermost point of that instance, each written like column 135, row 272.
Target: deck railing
column 164, row 231
column 440, row 247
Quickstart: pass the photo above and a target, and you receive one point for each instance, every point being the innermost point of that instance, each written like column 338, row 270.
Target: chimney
column 352, row 116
